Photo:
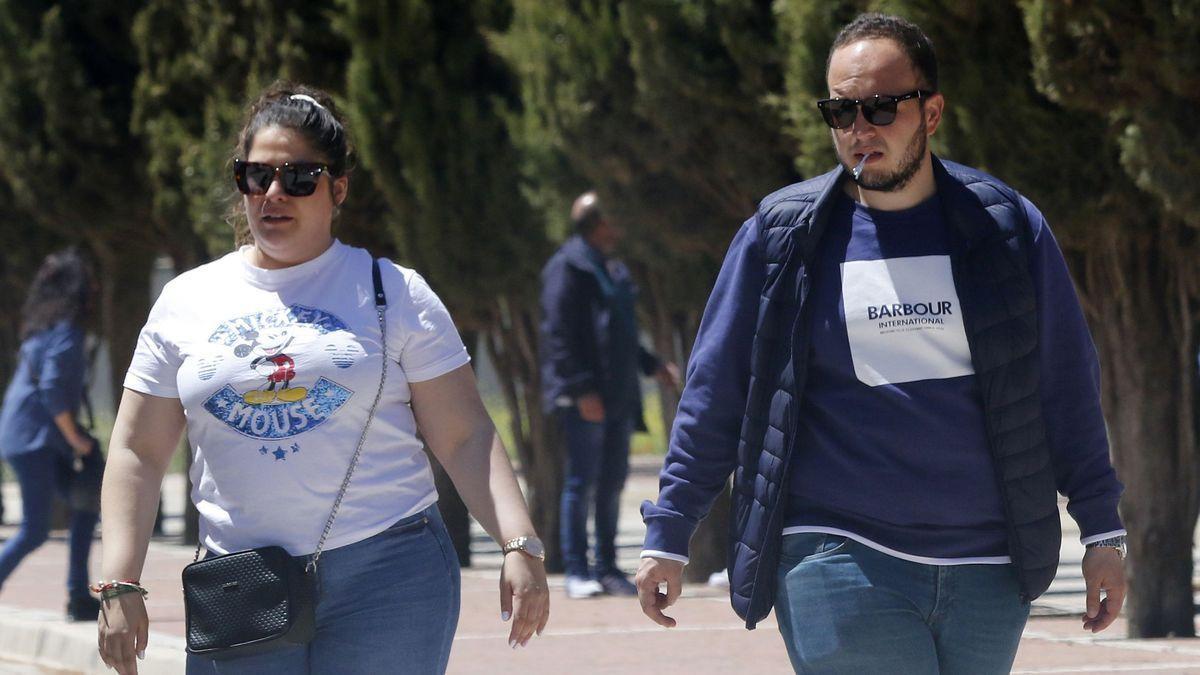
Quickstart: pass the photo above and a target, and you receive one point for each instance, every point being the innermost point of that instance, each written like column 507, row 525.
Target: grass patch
column 651, row 442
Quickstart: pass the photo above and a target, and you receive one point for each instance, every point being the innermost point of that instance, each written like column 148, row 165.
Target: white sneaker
column 582, row 587
column 719, row 579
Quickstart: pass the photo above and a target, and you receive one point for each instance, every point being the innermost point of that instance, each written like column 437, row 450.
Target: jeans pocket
column 803, row 546
column 830, row 545
column 409, row 524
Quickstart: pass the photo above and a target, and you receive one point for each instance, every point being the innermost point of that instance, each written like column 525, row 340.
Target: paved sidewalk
column 606, row 635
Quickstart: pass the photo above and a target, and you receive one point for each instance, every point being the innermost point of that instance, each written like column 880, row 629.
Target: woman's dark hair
column 61, row 291
column 911, row 39
column 307, row 111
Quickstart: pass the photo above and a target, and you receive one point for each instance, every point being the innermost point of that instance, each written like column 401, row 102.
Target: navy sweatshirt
column 891, row 446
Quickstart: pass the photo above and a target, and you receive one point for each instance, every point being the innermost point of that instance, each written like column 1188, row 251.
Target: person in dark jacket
column 39, row 435
column 894, row 365
column 591, row 358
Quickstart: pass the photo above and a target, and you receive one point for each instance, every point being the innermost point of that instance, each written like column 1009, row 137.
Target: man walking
column 895, row 367
column 591, row 358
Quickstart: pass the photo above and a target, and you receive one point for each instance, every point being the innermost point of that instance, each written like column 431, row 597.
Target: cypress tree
column 201, row 64
column 667, row 110
column 1135, row 66
column 71, row 165
column 429, row 97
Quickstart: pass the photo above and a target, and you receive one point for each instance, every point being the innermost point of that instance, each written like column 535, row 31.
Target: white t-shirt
column 276, row 371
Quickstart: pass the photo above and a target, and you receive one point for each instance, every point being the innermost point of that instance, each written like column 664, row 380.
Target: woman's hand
column 82, row 444
column 524, row 596
column 124, row 629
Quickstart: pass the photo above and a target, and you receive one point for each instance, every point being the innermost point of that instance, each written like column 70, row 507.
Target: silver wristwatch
column 1117, row 542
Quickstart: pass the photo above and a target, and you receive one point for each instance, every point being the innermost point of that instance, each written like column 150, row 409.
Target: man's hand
column 668, row 375
column 655, row 571
column 591, row 408
column 1103, row 570
column 81, row 444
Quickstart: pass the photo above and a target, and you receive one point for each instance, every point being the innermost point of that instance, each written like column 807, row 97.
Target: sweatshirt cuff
column 1091, row 539
column 1097, row 519
column 666, row 532
column 664, row 556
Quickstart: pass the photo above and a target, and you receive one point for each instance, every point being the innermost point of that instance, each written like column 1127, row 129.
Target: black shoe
column 616, row 583
column 83, row 608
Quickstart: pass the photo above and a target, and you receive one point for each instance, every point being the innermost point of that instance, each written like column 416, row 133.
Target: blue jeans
column 386, row 604
column 846, row 608
column 596, row 468
column 40, row 474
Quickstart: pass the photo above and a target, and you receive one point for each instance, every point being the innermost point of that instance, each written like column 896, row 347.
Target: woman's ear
column 341, row 187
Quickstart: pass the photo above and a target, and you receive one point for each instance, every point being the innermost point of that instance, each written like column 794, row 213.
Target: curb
column 44, row 639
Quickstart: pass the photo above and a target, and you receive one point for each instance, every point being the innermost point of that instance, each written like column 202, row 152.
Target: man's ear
column 932, row 110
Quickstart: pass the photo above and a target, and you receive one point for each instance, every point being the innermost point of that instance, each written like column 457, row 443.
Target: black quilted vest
column 990, row 242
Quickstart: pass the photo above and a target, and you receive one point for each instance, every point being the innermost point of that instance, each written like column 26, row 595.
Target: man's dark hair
column 908, row 35
column 586, row 213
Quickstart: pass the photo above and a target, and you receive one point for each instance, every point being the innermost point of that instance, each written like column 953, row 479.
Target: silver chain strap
column 312, row 564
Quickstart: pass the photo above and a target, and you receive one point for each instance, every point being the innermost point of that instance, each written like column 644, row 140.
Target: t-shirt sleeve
column 422, row 336
column 156, row 359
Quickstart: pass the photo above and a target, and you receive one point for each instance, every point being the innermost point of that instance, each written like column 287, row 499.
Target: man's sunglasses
column 879, row 110
column 299, row 178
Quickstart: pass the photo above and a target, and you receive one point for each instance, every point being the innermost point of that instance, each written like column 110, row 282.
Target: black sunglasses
column 879, row 110
column 299, row 178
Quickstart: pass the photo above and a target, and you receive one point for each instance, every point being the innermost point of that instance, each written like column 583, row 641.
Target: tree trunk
column 674, row 333
column 709, row 548
column 454, row 512
column 662, row 331
column 191, row 515
column 1141, row 290
column 512, row 345
column 124, row 271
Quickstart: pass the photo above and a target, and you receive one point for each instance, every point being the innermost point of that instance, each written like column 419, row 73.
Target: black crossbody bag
column 258, row 600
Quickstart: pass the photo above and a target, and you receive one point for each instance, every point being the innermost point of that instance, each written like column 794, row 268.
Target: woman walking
column 39, row 436
column 271, row 356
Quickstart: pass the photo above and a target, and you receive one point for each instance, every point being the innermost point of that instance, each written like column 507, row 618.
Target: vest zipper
column 799, row 351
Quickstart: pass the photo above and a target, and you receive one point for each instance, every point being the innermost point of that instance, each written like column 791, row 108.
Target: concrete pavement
column 605, row 635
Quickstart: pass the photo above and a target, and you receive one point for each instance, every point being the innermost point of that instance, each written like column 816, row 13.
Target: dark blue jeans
column 40, row 474
column 845, row 608
column 596, row 467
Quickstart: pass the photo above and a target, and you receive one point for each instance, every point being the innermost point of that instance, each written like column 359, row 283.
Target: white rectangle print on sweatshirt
column 903, row 320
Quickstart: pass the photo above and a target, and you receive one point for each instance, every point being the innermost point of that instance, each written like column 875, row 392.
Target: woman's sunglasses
column 840, row 113
column 299, row 178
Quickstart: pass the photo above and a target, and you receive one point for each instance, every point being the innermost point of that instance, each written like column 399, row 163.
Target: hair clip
column 306, row 97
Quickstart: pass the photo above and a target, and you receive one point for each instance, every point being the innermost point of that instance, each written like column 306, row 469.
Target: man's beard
column 910, row 163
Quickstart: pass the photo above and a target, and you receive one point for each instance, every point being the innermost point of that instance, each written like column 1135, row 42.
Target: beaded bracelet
column 112, row 589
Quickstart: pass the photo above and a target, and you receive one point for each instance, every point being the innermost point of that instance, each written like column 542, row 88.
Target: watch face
column 534, row 547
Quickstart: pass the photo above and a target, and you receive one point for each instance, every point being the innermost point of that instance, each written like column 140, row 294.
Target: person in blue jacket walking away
column 39, row 435
column 894, row 366
column 590, row 359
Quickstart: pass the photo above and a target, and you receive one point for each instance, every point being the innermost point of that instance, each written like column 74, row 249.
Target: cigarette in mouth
column 862, row 163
